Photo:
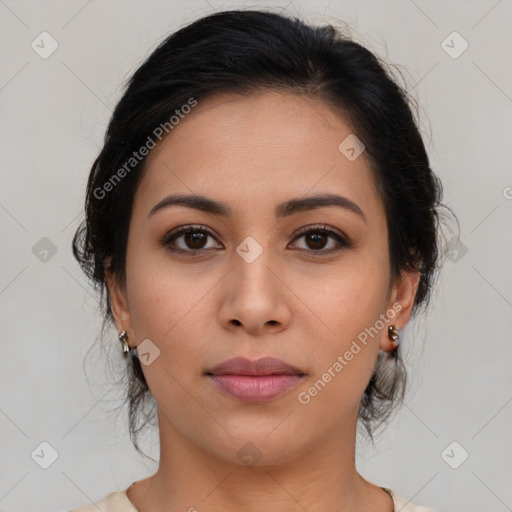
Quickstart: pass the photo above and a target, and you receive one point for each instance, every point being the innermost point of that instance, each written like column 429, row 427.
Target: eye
column 316, row 239
column 194, row 239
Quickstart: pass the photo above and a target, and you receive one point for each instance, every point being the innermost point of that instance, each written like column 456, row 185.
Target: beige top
column 119, row 502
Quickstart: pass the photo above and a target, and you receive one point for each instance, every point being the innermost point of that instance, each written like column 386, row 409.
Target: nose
column 255, row 297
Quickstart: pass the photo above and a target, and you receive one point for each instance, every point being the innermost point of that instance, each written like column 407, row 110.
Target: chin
column 254, row 444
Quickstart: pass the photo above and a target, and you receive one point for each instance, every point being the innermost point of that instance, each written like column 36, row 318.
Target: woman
column 263, row 222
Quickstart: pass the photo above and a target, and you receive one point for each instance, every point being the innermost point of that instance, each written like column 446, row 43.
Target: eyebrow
column 286, row 209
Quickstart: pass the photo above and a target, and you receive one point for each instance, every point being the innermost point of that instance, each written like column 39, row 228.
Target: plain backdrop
column 449, row 447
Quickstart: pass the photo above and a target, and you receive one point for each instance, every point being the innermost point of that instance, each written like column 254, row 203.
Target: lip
column 255, row 380
column 262, row 366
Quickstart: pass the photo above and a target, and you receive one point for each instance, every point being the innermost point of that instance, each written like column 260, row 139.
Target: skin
column 253, row 153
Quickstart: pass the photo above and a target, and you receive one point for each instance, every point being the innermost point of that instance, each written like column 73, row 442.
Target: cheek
column 343, row 360
column 166, row 309
column 157, row 294
column 352, row 299
column 153, row 307
column 169, row 306
column 349, row 306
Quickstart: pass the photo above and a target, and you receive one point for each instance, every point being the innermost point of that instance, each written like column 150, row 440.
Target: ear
column 119, row 304
column 401, row 301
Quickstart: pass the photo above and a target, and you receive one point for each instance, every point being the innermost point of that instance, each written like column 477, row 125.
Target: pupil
column 318, row 238
column 192, row 238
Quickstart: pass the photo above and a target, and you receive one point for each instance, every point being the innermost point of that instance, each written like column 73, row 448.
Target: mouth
column 255, row 381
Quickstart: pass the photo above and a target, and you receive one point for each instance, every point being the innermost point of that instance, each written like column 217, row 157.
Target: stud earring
column 393, row 333
column 123, row 338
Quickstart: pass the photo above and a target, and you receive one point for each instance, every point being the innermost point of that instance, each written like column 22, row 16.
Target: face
column 309, row 284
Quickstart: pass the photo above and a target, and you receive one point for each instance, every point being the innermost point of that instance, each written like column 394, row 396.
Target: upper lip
column 263, row 366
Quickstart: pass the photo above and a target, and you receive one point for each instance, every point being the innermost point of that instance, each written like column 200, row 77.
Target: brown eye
column 195, row 240
column 316, row 240
column 188, row 239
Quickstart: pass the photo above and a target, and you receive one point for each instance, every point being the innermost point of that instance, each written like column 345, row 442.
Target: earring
column 123, row 338
column 393, row 333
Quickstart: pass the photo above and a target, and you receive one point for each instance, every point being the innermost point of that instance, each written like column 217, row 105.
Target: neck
column 318, row 477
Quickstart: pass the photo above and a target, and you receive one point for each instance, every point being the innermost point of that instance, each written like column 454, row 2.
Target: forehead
column 257, row 150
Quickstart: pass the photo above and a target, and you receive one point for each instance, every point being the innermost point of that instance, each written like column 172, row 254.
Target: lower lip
column 255, row 388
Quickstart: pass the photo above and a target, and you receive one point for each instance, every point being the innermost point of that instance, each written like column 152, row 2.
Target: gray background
column 54, row 113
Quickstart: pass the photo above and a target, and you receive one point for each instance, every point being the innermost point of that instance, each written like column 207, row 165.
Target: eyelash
column 169, row 238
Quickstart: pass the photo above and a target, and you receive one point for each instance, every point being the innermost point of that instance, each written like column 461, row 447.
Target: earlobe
column 401, row 302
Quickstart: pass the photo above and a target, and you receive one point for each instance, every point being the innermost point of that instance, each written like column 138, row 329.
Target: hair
column 246, row 52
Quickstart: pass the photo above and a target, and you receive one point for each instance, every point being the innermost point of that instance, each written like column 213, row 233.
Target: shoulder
column 404, row 505
column 114, row 502
column 118, row 502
